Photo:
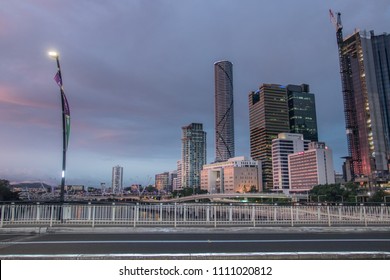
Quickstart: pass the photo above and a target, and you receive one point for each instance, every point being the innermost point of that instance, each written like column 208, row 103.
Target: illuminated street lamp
column 65, row 121
column 53, row 54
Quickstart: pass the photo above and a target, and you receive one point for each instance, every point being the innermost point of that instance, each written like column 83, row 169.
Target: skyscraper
column 177, row 184
column 117, row 179
column 302, row 111
column 161, row 181
column 224, row 115
column 268, row 116
column 365, row 67
column 193, row 155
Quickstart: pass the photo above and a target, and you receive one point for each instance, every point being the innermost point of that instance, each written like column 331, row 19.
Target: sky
column 136, row 71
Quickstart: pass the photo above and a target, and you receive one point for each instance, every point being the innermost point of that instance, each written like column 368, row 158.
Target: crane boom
column 336, row 21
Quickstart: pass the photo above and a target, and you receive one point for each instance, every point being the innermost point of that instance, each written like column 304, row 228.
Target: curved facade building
column 224, row 115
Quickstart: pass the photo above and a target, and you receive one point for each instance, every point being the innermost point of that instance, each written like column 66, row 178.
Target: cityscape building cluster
column 274, row 110
column 285, row 152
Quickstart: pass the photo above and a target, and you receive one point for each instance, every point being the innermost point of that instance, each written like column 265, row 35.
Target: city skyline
column 130, row 91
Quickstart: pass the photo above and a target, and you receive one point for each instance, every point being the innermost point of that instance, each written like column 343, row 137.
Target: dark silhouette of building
column 302, row 111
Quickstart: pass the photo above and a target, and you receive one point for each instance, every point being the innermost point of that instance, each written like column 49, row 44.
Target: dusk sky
column 136, row 71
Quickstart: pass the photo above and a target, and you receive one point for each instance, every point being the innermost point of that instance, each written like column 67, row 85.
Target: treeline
column 5, row 192
column 350, row 192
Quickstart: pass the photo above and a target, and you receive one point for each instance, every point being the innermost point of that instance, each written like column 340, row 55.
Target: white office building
column 284, row 145
column 236, row 175
column 117, row 179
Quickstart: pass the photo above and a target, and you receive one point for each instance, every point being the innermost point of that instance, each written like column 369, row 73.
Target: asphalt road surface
column 173, row 244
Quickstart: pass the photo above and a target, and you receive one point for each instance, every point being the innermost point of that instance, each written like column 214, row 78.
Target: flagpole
column 64, row 134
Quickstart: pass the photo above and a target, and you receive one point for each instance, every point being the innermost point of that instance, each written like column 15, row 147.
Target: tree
column 378, row 196
column 151, row 189
column 335, row 192
column 5, row 193
column 342, row 193
column 350, row 191
column 188, row 192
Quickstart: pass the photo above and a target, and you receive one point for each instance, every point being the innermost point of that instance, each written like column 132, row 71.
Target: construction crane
column 348, row 96
column 336, row 21
column 339, row 27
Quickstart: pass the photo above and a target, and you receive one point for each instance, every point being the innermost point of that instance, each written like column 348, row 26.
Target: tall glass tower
column 302, row 111
column 268, row 116
column 224, row 115
column 117, row 179
column 193, row 155
column 365, row 67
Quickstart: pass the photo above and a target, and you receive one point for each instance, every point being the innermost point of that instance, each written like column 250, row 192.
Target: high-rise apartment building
column 365, row 67
column 284, row 145
column 302, row 111
column 310, row 168
column 161, row 181
column 117, row 179
column 176, row 183
column 224, row 113
column 268, row 116
column 193, row 155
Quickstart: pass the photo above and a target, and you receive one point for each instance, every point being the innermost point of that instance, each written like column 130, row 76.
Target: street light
column 53, row 54
column 342, row 198
column 65, row 121
column 318, row 197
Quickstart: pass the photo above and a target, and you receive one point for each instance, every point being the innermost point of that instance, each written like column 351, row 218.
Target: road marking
column 254, row 255
column 187, row 241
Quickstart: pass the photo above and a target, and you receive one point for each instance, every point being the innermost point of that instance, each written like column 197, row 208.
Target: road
column 189, row 245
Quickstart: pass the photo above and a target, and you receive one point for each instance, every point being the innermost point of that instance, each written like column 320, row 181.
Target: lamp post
column 65, row 121
column 318, row 197
column 342, row 198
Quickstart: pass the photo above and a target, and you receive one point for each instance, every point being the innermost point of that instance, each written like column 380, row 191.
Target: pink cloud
column 11, row 96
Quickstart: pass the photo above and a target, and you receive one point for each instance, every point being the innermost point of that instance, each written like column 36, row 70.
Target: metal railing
column 195, row 214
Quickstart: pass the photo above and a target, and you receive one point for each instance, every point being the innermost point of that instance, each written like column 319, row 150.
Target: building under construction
column 365, row 76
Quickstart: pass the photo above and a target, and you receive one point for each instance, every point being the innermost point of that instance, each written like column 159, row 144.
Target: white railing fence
column 196, row 214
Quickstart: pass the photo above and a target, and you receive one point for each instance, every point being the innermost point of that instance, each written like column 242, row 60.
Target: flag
column 67, row 119
column 58, row 79
column 66, row 110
